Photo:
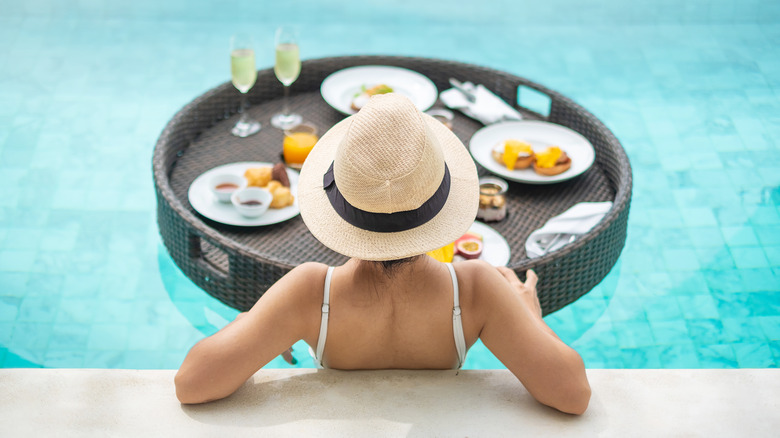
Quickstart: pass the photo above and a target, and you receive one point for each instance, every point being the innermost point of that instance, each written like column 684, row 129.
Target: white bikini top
column 457, row 323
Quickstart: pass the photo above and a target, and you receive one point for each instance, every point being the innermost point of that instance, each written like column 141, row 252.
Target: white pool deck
column 472, row 403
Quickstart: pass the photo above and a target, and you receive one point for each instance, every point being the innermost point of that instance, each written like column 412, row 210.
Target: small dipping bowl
column 444, row 116
column 492, row 199
column 251, row 201
column 224, row 185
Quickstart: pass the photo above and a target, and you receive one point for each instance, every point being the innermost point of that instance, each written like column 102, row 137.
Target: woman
column 384, row 187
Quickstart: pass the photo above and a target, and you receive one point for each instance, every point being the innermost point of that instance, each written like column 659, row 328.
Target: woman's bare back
column 401, row 319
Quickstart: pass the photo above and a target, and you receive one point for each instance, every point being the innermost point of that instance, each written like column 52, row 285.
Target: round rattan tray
column 236, row 265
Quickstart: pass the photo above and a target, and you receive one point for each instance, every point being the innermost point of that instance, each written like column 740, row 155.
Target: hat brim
column 454, row 219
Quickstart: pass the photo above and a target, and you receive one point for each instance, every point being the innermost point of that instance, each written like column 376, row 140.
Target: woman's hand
column 527, row 290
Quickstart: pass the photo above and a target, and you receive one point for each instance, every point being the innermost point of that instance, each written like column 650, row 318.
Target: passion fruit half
column 469, row 248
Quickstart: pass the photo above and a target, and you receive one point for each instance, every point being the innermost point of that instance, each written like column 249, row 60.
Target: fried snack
column 513, row 154
column 258, row 176
column 552, row 161
column 282, row 197
column 273, row 185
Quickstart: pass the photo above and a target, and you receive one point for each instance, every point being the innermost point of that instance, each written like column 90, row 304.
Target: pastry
column 258, row 176
column 282, row 197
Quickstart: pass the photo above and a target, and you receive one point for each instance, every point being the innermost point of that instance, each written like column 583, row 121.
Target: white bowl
column 251, row 201
column 225, row 184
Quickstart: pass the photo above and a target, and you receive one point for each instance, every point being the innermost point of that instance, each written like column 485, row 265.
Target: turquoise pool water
column 691, row 89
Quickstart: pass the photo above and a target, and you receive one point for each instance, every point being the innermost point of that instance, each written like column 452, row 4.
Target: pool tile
column 13, row 284
column 662, row 308
column 728, row 280
column 765, row 215
column 698, row 306
column 680, row 259
column 64, row 359
column 767, row 235
column 107, row 337
column 669, row 332
column 764, row 303
column 739, row 235
column 749, row 257
column 648, row 357
column 142, row 359
column 147, row 337
column 743, row 330
column 40, row 310
column 705, row 237
column 754, row 355
column 698, row 217
column 633, row 334
column 677, row 356
column 771, row 326
column 27, row 359
column 76, row 311
column 717, row 356
column 759, row 280
column 69, row 337
column 30, row 336
column 625, row 308
column 9, row 308
column 711, row 259
column 16, row 260
column 773, row 255
column 705, row 330
column 111, row 359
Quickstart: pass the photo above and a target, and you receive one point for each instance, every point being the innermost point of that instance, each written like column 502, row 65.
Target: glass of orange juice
column 298, row 142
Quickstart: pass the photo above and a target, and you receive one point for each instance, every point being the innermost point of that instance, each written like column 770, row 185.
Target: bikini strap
column 457, row 322
column 325, row 312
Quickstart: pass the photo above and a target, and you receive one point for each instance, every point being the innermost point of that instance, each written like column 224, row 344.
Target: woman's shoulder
column 303, row 281
column 479, row 278
column 476, row 271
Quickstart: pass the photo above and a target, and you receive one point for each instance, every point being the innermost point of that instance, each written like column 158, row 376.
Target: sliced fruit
column 469, row 248
column 443, row 254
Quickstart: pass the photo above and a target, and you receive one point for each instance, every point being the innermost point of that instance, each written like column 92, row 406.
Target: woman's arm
column 218, row 365
column 516, row 333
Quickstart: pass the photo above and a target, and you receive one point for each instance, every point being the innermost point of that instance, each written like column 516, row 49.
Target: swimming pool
column 692, row 92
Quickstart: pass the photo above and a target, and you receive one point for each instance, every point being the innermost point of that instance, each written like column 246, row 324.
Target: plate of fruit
column 480, row 242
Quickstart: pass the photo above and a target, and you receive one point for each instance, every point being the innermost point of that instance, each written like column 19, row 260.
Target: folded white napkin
column 487, row 108
column 565, row 228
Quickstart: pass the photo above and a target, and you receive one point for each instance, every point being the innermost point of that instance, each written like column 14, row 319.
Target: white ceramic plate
column 496, row 248
column 204, row 202
column 540, row 135
column 342, row 86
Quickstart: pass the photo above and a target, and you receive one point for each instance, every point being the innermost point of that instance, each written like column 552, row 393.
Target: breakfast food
column 552, row 161
column 275, row 181
column 258, row 176
column 513, row 154
column 279, row 173
column 469, row 246
column 443, row 254
column 282, row 197
column 362, row 98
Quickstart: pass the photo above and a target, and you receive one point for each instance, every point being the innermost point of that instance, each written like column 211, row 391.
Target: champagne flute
column 287, row 68
column 243, row 74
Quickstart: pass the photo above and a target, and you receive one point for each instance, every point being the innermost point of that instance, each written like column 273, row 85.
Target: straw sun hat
column 387, row 183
